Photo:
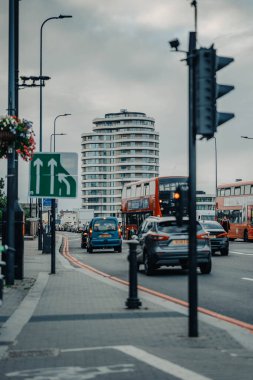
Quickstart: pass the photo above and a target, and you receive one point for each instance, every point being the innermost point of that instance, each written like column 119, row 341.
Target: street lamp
column 40, row 146
column 55, row 134
column 62, row 115
column 41, row 29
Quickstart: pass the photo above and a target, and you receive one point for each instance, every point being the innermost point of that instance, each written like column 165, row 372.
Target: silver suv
column 162, row 243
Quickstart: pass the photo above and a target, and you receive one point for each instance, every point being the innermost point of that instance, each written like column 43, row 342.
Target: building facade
column 205, row 206
column 122, row 147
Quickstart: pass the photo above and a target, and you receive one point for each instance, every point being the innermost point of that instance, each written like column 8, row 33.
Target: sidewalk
column 74, row 325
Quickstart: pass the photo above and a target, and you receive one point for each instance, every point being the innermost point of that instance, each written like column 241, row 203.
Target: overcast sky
column 114, row 54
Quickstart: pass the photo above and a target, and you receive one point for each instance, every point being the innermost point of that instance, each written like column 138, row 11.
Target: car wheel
column 206, row 267
column 89, row 249
column 224, row 252
column 245, row 236
column 148, row 268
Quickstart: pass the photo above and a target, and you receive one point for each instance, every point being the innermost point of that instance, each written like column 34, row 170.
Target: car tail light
column 203, row 236
column 120, row 232
column 223, row 234
column 90, row 231
column 157, row 237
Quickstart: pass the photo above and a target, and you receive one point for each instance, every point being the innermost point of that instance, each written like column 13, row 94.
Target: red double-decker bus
column 153, row 196
column 235, row 201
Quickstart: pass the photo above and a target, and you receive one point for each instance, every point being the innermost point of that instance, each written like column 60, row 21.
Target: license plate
column 212, row 236
column 105, row 235
column 180, row 242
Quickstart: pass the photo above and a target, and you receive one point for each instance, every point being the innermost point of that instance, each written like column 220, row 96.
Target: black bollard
column 133, row 301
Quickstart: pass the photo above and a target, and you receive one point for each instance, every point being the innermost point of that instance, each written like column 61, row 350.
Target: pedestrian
column 225, row 224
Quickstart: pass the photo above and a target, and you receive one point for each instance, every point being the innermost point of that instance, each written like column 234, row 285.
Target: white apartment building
column 205, row 206
column 122, row 147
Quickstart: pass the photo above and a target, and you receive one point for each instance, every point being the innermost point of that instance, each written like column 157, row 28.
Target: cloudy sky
column 114, row 54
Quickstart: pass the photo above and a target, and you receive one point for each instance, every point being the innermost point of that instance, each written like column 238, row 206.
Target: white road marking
column 247, row 279
column 241, row 253
column 152, row 360
column 80, row 373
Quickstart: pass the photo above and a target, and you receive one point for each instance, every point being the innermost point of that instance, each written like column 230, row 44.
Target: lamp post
column 53, row 207
column 62, row 115
column 41, row 30
column 41, row 137
column 55, row 134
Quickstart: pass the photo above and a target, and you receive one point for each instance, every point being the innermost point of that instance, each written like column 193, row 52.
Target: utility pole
column 19, row 213
column 192, row 280
column 11, row 177
column 192, row 286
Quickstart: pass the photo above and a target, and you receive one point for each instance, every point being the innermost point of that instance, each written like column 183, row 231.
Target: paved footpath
column 74, row 325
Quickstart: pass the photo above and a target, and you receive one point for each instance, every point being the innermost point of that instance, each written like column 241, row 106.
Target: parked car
column 218, row 237
column 84, row 235
column 162, row 243
column 104, row 233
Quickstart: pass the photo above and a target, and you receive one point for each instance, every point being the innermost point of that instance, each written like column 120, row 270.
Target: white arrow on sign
column 62, row 178
column 52, row 163
column 38, row 163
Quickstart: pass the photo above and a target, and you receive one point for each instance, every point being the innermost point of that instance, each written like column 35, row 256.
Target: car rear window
column 105, row 225
column 170, row 226
column 213, row 226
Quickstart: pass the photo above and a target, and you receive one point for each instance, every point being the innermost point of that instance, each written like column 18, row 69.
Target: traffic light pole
column 11, row 184
column 52, row 225
column 192, row 284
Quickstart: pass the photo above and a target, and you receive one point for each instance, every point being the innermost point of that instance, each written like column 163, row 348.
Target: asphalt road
column 227, row 290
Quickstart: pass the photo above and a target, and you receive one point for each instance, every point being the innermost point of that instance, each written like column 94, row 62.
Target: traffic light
column 207, row 91
column 179, row 209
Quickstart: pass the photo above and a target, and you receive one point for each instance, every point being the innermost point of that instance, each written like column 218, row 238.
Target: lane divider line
column 177, row 301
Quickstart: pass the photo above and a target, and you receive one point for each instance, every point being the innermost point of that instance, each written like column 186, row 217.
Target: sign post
column 53, row 175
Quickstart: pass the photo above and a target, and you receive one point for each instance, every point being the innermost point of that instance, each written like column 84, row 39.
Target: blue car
column 104, row 233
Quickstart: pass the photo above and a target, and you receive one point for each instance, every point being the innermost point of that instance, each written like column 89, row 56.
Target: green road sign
column 53, row 175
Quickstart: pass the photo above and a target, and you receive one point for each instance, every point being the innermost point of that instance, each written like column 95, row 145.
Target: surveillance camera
column 43, row 77
column 24, row 78
column 174, row 44
column 34, row 78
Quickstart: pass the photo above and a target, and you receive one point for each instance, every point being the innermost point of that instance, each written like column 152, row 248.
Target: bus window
column 237, row 190
column 242, row 190
column 247, row 189
column 251, row 189
column 152, row 187
column 227, row 191
column 235, row 216
column 222, row 192
column 138, row 191
column 146, row 188
column 232, row 191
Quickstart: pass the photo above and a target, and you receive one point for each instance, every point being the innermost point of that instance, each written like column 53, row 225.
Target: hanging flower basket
column 18, row 132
